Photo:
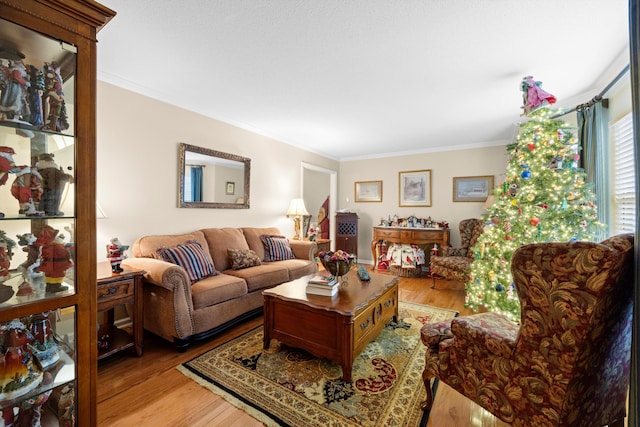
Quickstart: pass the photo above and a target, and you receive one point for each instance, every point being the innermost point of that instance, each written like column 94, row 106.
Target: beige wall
column 443, row 165
column 137, row 174
column 137, row 157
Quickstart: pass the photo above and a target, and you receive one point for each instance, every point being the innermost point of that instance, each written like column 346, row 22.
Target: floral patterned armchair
column 454, row 262
column 567, row 363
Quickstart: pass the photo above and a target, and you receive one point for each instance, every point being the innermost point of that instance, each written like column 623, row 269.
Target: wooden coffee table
column 337, row 328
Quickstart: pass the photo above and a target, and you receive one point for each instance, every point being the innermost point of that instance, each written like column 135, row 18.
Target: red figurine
column 56, row 259
column 533, row 95
column 115, row 253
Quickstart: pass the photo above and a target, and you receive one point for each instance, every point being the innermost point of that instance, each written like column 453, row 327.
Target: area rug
column 285, row 386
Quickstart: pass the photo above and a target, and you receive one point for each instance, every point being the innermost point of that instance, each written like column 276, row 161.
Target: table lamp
column 297, row 210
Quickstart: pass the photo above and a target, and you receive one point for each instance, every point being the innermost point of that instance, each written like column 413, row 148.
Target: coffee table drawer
column 368, row 324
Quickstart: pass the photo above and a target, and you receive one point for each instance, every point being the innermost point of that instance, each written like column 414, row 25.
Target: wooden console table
column 418, row 236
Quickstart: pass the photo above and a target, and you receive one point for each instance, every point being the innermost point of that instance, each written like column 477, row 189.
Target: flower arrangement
column 312, row 233
column 337, row 263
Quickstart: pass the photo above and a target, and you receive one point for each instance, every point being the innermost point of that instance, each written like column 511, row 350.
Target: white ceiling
column 364, row 78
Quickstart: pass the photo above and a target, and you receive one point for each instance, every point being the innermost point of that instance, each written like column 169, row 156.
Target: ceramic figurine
column 7, row 166
column 29, row 266
column 115, row 253
column 36, row 78
column 56, row 259
column 56, row 110
column 26, row 186
column 54, row 180
column 13, row 104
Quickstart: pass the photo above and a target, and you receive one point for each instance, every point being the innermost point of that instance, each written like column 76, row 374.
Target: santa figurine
column 28, row 267
column 115, row 253
column 13, row 99
column 26, row 186
column 54, row 180
column 55, row 259
column 7, row 166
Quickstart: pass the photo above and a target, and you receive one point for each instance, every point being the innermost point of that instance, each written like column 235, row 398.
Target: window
column 624, row 185
column 187, row 185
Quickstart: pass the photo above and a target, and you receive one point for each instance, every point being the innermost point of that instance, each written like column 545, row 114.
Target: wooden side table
column 324, row 245
column 119, row 289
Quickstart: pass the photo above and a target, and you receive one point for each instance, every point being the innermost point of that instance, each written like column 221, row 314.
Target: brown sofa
column 181, row 311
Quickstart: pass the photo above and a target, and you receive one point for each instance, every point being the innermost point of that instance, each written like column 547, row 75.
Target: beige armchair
column 455, row 261
column 567, row 363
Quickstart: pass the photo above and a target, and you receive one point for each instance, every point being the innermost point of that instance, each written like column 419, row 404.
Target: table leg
column 268, row 321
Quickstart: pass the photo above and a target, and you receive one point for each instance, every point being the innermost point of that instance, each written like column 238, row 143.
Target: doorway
column 317, row 184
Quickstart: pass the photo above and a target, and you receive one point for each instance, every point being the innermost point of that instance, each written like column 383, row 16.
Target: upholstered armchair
column 455, row 261
column 567, row 362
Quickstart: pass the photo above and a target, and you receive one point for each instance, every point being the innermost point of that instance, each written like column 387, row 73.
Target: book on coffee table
column 314, row 289
column 325, row 280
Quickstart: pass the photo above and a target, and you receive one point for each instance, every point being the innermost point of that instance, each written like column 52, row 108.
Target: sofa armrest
column 173, row 300
column 304, row 249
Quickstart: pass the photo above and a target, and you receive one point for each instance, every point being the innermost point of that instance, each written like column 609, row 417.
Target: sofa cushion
column 190, row 256
column 216, row 289
column 252, row 237
column 262, row 276
column 296, row 267
column 147, row 246
column 242, row 258
column 276, row 248
column 219, row 239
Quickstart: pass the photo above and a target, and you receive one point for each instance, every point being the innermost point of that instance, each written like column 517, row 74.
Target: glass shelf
column 58, row 368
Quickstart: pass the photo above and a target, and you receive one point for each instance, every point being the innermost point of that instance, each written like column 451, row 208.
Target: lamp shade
column 297, row 208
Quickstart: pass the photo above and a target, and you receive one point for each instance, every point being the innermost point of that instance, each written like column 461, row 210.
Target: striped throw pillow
column 276, row 248
column 190, row 256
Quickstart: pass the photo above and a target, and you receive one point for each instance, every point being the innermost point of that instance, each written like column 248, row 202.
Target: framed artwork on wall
column 414, row 188
column 231, row 188
column 368, row 191
column 472, row 188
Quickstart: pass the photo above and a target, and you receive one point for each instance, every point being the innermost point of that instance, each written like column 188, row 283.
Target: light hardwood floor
column 149, row 391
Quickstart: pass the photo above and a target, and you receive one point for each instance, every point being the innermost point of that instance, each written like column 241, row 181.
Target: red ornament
column 531, row 146
column 534, row 221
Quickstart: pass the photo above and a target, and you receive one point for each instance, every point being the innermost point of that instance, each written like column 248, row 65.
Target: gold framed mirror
column 212, row 179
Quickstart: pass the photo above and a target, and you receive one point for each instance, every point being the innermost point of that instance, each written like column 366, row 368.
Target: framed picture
column 231, row 188
column 368, row 191
column 472, row 188
column 415, row 188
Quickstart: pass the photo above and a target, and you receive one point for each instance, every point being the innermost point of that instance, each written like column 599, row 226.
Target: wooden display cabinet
column 347, row 232
column 52, row 45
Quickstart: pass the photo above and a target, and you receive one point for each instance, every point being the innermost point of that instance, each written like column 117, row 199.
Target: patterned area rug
column 285, row 386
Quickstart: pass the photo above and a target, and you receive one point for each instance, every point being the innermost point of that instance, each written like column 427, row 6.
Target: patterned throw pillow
column 242, row 258
column 190, row 256
column 276, row 248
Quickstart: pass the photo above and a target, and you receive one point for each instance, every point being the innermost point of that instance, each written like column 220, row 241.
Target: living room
column 137, row 190
column 130, row 123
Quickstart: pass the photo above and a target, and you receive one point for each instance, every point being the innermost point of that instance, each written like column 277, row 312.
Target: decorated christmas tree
column 544, row 198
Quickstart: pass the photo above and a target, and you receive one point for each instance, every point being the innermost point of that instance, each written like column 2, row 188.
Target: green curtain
column 593, row 134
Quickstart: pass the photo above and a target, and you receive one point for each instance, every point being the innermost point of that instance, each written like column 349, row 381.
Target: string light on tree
column 544, row 198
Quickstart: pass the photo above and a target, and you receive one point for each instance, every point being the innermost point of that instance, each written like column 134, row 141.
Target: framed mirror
column 212, row 179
